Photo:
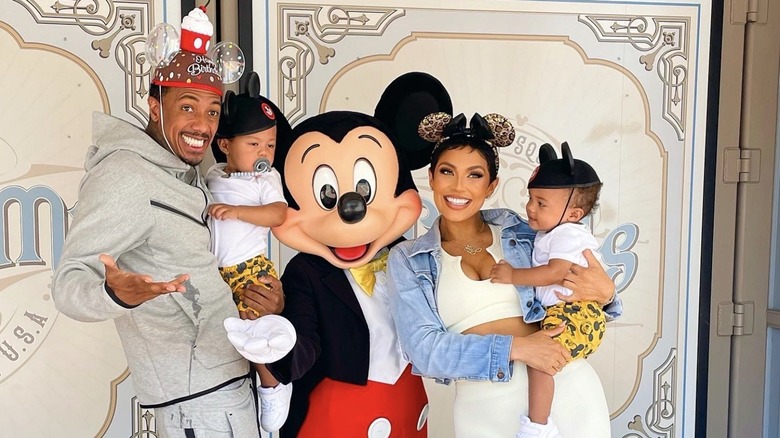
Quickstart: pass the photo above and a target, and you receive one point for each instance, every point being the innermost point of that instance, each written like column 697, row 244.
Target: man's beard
column 190, row 161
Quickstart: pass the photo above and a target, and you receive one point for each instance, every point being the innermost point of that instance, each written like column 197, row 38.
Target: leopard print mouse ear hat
column 494, row 129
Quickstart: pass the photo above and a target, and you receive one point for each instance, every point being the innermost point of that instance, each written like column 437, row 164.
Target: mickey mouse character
column 347, row 181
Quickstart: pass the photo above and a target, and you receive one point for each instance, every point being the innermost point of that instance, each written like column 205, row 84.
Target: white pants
column 485, row 409
column 227, row 413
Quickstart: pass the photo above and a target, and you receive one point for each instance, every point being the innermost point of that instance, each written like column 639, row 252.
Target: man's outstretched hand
column 134, row 289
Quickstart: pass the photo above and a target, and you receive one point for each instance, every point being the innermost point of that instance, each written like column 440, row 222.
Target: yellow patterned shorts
column 585, row 324
column 240, row 275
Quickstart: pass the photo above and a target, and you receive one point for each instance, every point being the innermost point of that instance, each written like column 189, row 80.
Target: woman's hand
column 541, row 351
column 588, row 284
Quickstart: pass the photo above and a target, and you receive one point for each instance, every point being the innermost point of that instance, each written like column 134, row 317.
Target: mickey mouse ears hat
column 190, row 67
column 190, row 61
column 560, row 173
column 246, row 113
column 405, row 102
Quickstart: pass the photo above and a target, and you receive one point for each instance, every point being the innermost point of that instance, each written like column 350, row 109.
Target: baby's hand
column 223, row 211
column 501, row 272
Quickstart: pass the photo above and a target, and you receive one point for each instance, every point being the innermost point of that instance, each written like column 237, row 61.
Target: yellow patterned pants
column 240, row 275
column 585, row 324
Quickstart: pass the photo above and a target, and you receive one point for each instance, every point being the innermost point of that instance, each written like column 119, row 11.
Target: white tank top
column 465, row 303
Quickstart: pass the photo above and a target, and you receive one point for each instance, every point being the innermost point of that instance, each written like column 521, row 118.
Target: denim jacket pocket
column 425, row 281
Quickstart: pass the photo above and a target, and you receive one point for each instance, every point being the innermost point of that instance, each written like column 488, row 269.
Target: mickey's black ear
column 403, row 105
column 568, row 158
column 547, row 153
column 253, row 85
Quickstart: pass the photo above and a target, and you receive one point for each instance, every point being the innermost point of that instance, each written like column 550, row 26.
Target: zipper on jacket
column 205, row 213
column 174, row 210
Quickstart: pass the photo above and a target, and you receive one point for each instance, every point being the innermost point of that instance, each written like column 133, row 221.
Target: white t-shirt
column 385, row 362
column 566, row 242
column 234, row 241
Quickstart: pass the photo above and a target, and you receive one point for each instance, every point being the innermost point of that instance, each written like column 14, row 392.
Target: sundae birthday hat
column 191, row 62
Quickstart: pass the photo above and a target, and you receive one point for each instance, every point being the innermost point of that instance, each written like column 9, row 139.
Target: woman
column 454, row 324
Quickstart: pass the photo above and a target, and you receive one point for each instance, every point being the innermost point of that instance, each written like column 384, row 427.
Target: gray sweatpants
column 228, row 413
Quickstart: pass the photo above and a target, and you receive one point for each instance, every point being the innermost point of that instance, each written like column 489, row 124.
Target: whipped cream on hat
column 196, row 31
column 191, row 67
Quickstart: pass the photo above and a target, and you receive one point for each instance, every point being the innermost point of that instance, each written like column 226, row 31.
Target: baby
column 561, row 193
column 248, row 201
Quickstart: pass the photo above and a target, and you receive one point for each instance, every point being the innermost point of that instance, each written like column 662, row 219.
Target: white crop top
column 465, row 303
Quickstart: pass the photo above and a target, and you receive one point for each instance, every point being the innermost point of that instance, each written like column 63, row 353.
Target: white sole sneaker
column 529, row 429
column 274, row 406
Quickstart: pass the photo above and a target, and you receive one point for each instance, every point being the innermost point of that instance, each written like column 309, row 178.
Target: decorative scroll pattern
column 121, row 24
column 144, row 424
column 664, row 43
column 307, row 36
column 659, row 418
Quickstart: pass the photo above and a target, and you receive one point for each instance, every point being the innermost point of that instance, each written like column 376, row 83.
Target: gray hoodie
column 143, row 206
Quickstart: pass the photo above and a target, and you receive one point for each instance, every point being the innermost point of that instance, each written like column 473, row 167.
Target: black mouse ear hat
column 560, row 173
column 403, row 105
column 248, row 113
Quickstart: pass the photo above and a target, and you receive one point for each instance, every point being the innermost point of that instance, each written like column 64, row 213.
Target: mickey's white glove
column 263, row 340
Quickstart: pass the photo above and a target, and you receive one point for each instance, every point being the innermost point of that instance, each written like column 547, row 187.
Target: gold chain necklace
column 471, row 250
column 468, row 247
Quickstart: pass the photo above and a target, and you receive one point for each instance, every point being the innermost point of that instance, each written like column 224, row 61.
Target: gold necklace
column 469, row 248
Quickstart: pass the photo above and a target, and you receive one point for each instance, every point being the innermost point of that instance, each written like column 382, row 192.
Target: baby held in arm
column 561, row 193
column 248, row 201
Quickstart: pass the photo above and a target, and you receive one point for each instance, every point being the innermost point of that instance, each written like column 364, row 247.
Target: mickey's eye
column 365, row 179
column 326, row 187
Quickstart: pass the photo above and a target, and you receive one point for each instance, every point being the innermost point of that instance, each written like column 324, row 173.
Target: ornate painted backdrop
column 623, row 81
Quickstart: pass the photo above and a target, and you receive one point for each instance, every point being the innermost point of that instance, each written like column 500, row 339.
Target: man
column 138, row 253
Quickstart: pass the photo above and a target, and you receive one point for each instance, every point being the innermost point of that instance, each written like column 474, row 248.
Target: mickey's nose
column 352, row 207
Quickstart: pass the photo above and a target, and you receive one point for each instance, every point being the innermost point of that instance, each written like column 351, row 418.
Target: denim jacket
column 413, row 268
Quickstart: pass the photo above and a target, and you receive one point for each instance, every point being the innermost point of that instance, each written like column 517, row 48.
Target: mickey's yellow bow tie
column 364, row 275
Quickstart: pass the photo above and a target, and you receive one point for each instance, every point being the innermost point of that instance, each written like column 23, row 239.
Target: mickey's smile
column 350, row 254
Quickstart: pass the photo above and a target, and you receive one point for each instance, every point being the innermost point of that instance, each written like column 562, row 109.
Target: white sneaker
column 274, row 406
column 529, row 429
